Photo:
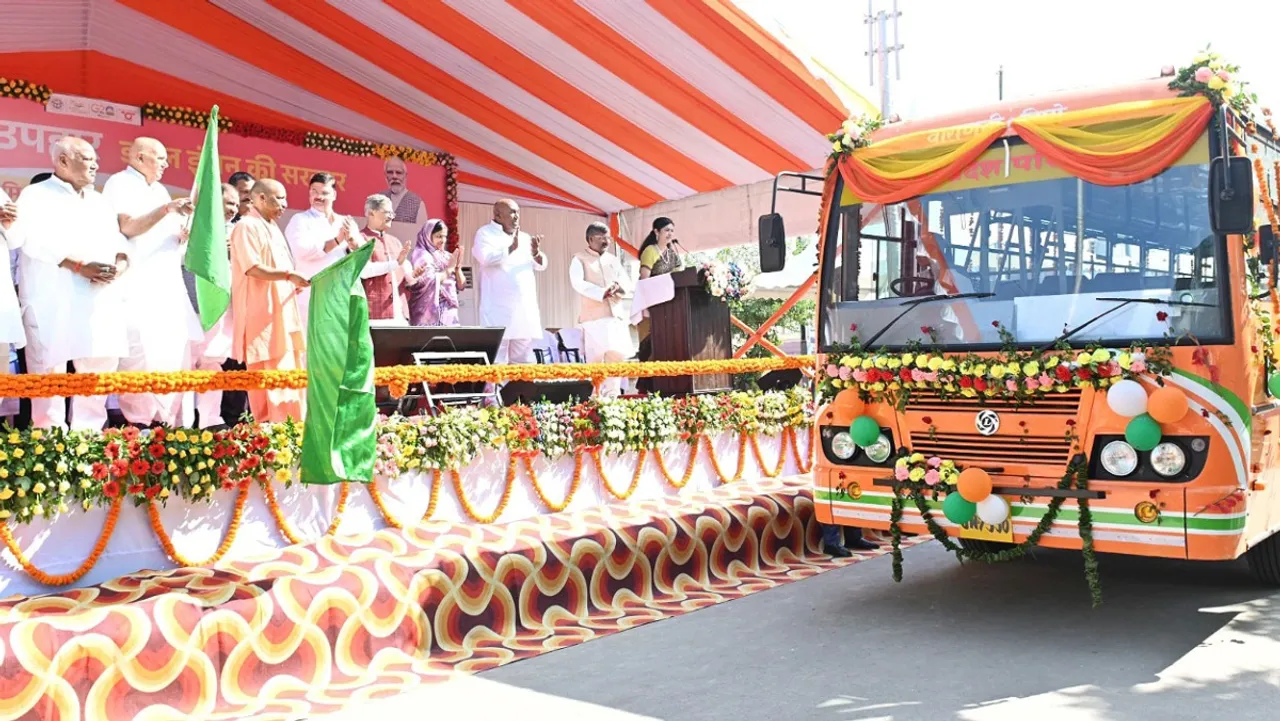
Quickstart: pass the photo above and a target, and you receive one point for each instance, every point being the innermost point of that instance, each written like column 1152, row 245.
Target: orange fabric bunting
column 1118, row 144
column 915, row 163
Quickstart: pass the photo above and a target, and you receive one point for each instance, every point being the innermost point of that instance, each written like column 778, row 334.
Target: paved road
column 1010, row 642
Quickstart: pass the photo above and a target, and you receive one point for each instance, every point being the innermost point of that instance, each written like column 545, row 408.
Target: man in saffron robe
column 268, row 330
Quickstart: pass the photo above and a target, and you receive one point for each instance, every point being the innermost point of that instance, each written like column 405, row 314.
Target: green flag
column 339, row 440
column 207, row 256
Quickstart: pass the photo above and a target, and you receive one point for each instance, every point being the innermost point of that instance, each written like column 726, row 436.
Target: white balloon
column 1127, row 398
column 993, row 510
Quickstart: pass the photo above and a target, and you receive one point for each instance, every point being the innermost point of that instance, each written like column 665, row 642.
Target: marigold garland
column 64, row 579
column 604, row 479
column 715, row 462
column 23, row 90
column 527, row 460
column 283, row 524
column 183, row 116
column 65, row 385
column 688, row 469
column 502, row 502
column 805, row 464
column 764, row 468
column 237, row 515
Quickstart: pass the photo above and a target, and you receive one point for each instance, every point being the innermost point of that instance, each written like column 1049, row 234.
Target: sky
column 953, row 49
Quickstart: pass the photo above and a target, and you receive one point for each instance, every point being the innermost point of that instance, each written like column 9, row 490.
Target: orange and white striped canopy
column 598, row 105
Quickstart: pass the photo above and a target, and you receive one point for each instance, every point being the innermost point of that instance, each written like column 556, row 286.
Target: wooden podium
column 694, row 325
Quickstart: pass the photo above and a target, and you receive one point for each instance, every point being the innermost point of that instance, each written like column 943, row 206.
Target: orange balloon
column 1167, row 404
column 849, row 400
column 974, row 484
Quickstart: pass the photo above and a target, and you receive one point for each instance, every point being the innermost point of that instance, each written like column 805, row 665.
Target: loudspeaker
column 780, row 380
column 527, row 392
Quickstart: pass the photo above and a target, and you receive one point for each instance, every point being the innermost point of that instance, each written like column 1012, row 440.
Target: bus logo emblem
column 987, row 422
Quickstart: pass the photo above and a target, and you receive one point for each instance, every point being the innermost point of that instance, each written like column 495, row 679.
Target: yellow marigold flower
column 1102, row 355
column 893, row 364
column 6, row 493
column 922, row 362
column 1084, row 358
column 38, row 509
column 968, row 392
column 15, row 438
column 980, row 369
column 196, row 489
column 917, row 458
column 172, row 467
column 39, row 488
column 1031, row 368
column 18, row 453
column 180, row 436
column 999, row 371
column 59, row 448
column 948, row 365
column 881, row 361
column 1125, row 360
column 916, row 474
column 868, row 363
column 37, row 434
column 164, row 492
column 38, row 450
column 4, row 473
column 908, row 358
column 1053, row 361
column 935, row 364
column 85, row 484
column 38, row 468
column 4, row 456
column 282, row 475
column 206, row 437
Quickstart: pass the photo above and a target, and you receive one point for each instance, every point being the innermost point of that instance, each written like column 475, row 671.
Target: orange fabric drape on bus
column 1118, row 144
column 913, row 164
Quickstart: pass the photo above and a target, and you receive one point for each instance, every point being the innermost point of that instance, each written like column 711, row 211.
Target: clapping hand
column 8, row 213
column 536, row 245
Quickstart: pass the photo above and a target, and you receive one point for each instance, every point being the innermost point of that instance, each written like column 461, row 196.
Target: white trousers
column 8, row 406
column 207, row 405
column 145, row 408
column 607, row 340
column 517, row 351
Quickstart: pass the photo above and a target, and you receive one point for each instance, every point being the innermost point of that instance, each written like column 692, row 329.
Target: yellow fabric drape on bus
column 913, row 164
column 1118, row 144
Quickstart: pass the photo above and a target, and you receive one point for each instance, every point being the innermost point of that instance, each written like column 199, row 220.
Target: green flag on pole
column 207, row 257
column 339, row 440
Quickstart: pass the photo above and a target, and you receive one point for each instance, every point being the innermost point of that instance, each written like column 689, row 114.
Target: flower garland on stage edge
column 44, row 471
column 920, row 491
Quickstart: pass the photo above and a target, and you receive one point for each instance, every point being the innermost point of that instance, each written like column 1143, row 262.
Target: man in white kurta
column 318, row 237
column 162, row 324
column 73, row 306
column 596, row 276
column 12, row 336
column 507, row 259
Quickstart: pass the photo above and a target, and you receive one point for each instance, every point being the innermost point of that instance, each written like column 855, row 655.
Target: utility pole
column 877, row 23
column 1000, row 81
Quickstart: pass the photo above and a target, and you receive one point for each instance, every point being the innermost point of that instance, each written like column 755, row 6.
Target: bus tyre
column 1264, row 560
column 974, row 545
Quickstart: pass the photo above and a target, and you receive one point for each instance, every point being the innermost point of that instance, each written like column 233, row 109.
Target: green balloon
column 864, row 431
column 1273, row 384
column 957, row 509
column 1143, row 432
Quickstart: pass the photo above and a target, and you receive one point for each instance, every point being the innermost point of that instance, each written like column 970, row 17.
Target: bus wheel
column 974, row 545
column 1264, row 560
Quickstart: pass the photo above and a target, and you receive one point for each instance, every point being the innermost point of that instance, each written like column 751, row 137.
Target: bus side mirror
column 773, row 243
column 1267, row 244
column 1231, row 195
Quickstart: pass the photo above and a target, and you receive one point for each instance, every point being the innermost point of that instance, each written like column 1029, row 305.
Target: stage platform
column 303, row 630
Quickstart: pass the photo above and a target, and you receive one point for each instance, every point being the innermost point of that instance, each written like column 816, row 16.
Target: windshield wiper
column 910, row 305
column 1123, row 302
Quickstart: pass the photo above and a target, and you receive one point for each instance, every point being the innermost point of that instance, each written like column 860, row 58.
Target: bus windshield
column 1046, row 253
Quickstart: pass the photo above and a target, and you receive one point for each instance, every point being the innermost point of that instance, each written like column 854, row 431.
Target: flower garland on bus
column 966, row 494
column 44, row 472
column 1210, row 76
column 1256, row 275
column 854, row 133
column 891, row 377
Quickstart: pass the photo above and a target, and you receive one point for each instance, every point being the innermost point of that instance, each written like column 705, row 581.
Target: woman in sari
column 433, row 296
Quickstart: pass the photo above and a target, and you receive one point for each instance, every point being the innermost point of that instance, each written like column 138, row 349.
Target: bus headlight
column 1168, row 459
column 879, row 451
column 842, row 446
column 1119, row 458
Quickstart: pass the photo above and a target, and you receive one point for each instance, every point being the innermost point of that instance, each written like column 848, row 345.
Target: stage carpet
column 310, row 628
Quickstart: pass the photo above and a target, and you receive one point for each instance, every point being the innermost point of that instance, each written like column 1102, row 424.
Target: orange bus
column 1089, row 326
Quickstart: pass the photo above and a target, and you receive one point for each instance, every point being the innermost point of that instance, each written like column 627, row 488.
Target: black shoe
column 863, row 544
column 836, row 551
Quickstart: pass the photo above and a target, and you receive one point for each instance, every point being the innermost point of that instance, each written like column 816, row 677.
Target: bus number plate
column 978, row 530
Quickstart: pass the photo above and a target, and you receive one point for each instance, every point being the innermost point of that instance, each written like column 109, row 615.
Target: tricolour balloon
column 1167, row 405
column 957, row 509
column 1143, row 433
column 1127, row 398
column 974, row 484
column 864, row 431
column 993, row 510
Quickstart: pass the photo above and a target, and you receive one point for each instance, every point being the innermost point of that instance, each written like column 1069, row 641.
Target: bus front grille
column 1053, row 404
column 995, row 450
